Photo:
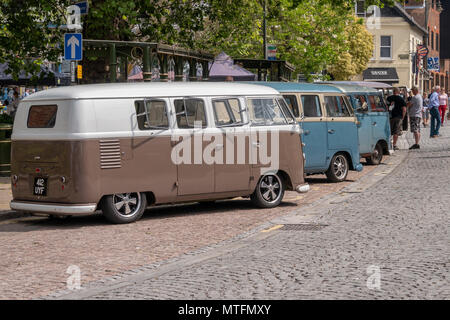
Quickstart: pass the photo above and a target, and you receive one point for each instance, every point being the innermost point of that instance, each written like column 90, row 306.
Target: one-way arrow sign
column 73, row 46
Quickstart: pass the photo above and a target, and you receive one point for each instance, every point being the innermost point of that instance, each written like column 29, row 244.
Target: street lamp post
column 265, row 29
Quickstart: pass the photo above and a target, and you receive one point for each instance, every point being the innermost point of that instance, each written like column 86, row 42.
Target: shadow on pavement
column 161, row 212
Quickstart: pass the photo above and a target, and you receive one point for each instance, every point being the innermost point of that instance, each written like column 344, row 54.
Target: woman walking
column 443, row 102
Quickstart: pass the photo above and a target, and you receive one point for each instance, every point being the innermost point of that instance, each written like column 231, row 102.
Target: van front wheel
column 269, row 191
column 376, row 157
column 338, row 170
column 124, row 207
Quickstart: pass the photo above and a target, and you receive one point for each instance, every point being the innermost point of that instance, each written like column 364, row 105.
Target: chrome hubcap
column 340, row 166
column 377, row 154
column 127, row 204
column 270, row 188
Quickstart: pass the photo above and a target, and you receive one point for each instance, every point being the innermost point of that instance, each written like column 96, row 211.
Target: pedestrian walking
column 406, row 118
column 443, row 102
column 434, row 113
column 425, row 110
column 415, row 107
column 14, row 104
column 398, row 113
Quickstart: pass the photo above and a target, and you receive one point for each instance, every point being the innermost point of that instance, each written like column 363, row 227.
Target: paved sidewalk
column 5, row 198
column 389, row 240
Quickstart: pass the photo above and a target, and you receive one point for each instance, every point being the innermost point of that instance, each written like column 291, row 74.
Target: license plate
column 40, row 186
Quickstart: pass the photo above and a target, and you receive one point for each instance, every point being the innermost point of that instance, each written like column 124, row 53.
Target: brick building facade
column 430, row 14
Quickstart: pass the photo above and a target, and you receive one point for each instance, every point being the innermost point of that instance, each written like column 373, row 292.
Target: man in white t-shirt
column 415, row 106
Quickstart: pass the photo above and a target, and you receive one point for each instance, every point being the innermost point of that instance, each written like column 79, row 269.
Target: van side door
column 379, row 118
column 363, row 113
column 314, row 134
column 194, row 176
column 231, row 165
column 152, row 168
column 341, row 127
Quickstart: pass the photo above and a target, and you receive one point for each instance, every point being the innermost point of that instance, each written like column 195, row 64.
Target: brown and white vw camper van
column 122, row 147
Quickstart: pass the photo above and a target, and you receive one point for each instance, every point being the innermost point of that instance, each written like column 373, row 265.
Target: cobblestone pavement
column 396, row 231
column 36, row 251
column 5, row 193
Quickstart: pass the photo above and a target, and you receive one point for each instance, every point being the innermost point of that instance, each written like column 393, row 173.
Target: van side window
column 378, row 104
column 42, row 116
column 227, row 112
column 151, row 114
column 291, row 101
column 190, row 111
column 336, row 107
column 311, row 106
column 265, row 111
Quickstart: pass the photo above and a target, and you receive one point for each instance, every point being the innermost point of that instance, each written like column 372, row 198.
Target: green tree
column 26, row 36
column 355, row 53
column 306, row 30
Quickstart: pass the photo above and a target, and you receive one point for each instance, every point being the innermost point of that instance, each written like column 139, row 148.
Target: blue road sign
column 73, row 46
column 433, row 64
column 84, row 7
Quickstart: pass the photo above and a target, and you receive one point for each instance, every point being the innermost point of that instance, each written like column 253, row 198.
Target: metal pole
column 427, row 37
column 265, row 29
column 147, row 74
column 112, row 63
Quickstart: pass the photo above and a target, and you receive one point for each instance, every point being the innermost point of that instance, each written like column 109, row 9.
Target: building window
column 374, row 53
column 386, row 47
column 432, row 40
column 360, row 9
column 437, row 41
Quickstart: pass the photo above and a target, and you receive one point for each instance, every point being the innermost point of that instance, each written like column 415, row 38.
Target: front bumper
column 52, row 208
column 303, row 188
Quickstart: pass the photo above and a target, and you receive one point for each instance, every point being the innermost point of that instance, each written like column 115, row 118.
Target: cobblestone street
column 398, row 228
column 36, row 251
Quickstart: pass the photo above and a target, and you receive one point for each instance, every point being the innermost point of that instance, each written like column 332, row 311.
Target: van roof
column 151, row 89
column 300, row 87
column 370, row 84
column 351, row 88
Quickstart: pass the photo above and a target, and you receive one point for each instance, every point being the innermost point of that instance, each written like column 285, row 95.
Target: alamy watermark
column 374, row 280
column 74, row 280
column 246, row 146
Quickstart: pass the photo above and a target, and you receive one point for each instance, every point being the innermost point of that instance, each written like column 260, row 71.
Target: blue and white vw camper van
column 374, row 130
column 330, row 132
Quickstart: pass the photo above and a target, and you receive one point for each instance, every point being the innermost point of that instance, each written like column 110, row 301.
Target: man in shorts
column 398, row 113
column 415, row 107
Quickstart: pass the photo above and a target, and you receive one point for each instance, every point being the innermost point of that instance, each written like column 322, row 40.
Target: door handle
column 307, row 132
column 374, row 124
column 256, row 144
column 331, row 131
column 174, row 143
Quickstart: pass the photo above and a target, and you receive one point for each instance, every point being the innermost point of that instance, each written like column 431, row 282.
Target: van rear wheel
column 376, row 157
column 338, row 170
column 269, row 191
column 124, row 207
